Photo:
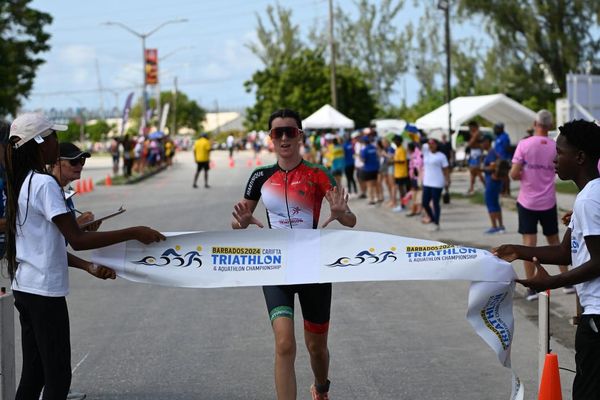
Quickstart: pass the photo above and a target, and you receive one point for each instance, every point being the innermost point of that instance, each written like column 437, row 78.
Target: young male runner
column 292, row 191
column 577, row 155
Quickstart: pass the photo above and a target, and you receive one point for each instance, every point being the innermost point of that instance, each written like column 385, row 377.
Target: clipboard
column 121, row 210
column 70, row 194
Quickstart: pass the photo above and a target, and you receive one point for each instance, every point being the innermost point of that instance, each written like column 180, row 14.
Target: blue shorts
column 492, row 194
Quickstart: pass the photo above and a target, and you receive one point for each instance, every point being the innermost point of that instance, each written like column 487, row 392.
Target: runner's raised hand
column 243, row 216
column 338, row 203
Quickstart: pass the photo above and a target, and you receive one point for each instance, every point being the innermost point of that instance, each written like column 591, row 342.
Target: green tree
column 72, row 134
column 533, row 35
column 369, row 39
column 279, row 41
column 189, row 113
column 98, row 131
column 301, row 82
column 22, row 39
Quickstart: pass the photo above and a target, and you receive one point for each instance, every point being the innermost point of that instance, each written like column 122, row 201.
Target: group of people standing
column 140, row 153
column 414, row 176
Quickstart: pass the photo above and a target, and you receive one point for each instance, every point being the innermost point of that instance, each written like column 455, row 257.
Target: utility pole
column 445, row 6
column 332, row 50
column 174, row 107
column 143, row 36
column 100, row 90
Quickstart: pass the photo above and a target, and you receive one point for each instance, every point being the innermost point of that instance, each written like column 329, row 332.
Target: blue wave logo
column 366, row 256
column 172, row 258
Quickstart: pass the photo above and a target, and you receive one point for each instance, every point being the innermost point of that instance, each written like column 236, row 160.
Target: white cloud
column 78, row 55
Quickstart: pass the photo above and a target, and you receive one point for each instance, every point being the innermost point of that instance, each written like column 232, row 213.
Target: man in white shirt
column 577, row 155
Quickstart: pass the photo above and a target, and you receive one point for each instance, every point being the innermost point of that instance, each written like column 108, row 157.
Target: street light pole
column 332, row 50
column 143, row 36
column 445, row 6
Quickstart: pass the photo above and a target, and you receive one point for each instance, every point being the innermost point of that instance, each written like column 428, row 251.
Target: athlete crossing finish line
column 304, row 260
column 292, row 191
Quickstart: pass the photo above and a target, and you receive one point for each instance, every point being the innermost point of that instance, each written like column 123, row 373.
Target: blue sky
column 207, row 54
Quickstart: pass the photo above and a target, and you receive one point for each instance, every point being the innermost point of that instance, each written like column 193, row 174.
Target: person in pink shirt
column 533, row 165
column 415, row 173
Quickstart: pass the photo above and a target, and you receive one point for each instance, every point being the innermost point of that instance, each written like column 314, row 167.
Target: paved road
column 392, row 340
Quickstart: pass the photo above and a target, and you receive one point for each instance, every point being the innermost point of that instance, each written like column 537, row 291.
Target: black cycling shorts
column 528, row 220
column 315, row 301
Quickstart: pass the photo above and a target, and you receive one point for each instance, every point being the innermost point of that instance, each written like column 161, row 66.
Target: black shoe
column 207, row 186
column 195, row 186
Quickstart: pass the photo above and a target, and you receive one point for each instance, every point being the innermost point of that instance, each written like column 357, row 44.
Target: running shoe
column 316, row 395
column 491, row 231
column 501, row 229
column 531, row 295
column 398, row 209
column 433, row 228
column 568, row 290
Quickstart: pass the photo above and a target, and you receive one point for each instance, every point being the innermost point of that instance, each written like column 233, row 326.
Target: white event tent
column 327, row 117
column 494, row 107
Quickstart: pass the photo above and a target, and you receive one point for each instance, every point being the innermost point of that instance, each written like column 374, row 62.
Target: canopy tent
column 327, row 117
column 494, row 107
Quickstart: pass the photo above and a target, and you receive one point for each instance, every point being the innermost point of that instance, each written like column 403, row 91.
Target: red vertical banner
column 151, row 59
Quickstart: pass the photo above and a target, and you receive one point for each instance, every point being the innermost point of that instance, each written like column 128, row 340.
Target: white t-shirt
column 358, row 162
column 41, row 248
column 585, row 221
column 433, row 164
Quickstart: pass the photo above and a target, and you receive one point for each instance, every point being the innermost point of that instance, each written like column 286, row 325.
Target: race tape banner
column 285, row 257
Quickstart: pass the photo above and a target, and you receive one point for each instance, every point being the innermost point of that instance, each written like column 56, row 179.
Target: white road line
column 79, row 363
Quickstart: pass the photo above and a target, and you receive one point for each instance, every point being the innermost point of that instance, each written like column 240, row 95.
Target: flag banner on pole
column 163, row 117
column 298, row 256
column 126, row 111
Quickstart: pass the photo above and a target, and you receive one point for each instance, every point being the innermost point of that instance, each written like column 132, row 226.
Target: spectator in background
column 386, row 169
column 533, row 165
column 336, row 155
column 202, row 149
column 115, row 154
column 359, row 164
column 230, row 144
column 415, row 174
column 401, row 178
column 493, row 185
column 475, row 156
column 127, row 155
column 436, row 176
column 349, row 164
column 502, row 149
column 370, row 170
column 446, row 148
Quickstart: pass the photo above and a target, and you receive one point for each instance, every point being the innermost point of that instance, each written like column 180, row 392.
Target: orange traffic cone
column 108, row 181
column 78, row 188
column 231, row 163
column 258, row 162
column 550, row 384
column 90, row 184
column 249, row 163
column 212, row 164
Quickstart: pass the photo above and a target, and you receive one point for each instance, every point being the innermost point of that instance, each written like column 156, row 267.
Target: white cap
column 32, row 126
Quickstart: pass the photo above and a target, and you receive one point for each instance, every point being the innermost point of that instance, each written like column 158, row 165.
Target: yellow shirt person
column 202, row 150
column 400, row 163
